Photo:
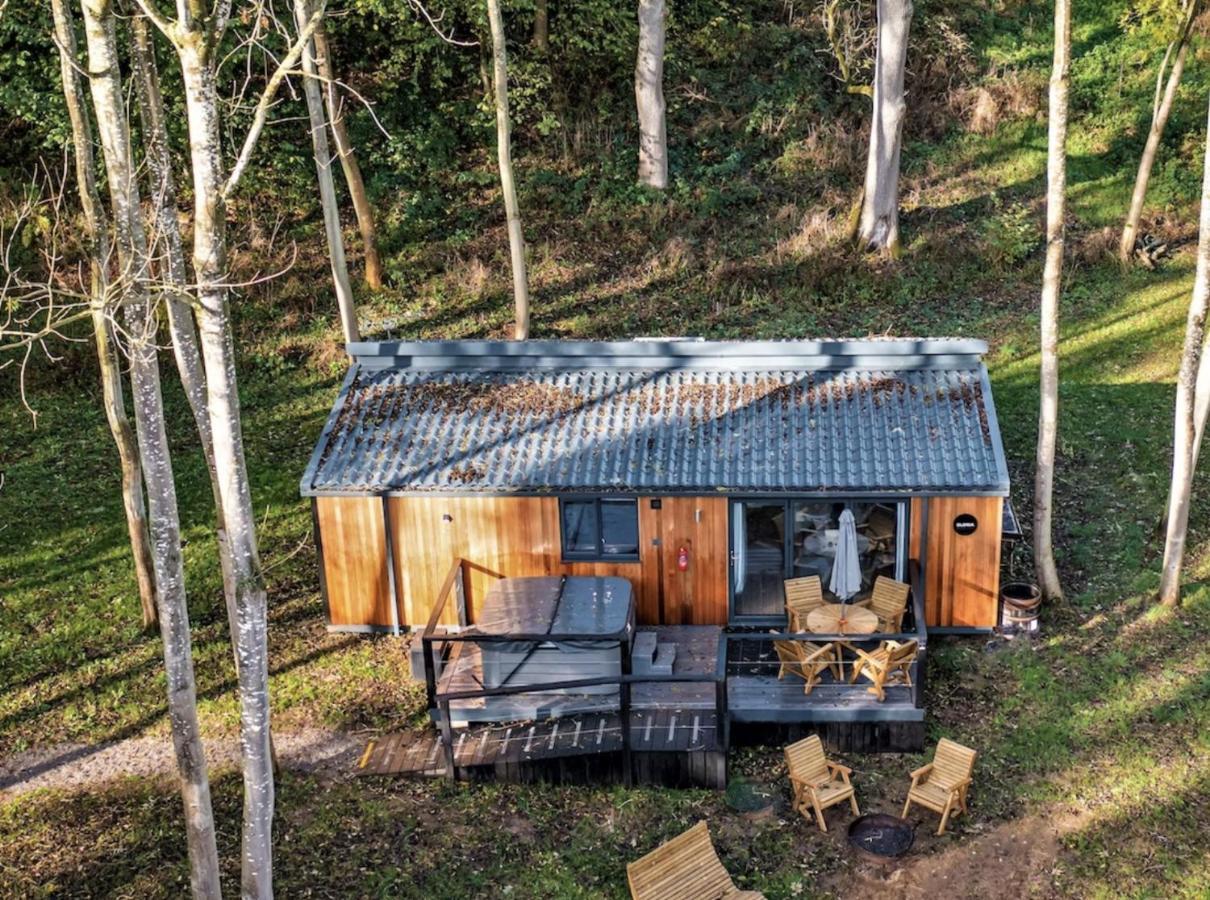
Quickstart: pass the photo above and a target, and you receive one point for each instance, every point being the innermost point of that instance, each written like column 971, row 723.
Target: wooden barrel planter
column 1021, row 603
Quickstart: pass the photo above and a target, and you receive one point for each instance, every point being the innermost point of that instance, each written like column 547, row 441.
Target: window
column 605, row 528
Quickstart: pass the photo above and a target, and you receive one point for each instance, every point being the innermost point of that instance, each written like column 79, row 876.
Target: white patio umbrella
column 846, row 568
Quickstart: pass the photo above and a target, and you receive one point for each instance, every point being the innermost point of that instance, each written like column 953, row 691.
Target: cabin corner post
column 392, row 583
column 924, row 562
column 317, row 532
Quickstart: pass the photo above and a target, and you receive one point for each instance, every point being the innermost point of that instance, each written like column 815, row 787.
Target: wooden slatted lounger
column 684, row 868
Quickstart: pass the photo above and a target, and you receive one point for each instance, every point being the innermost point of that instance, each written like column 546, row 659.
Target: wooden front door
column 692, row 561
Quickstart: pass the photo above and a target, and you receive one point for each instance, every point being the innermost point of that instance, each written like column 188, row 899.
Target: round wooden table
column 827, row 619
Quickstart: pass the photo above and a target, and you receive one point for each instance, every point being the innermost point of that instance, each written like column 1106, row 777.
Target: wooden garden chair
column 817, row 782
column 684, row 868
column 802, row 596
column 888, row 600
column 942, row 784
column 807, row 660
column 891, row 662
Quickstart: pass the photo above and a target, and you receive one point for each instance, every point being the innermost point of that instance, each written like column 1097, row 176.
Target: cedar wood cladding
column 519, row 536
column 514, row 536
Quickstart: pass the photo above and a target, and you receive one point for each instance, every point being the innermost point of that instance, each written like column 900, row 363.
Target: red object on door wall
column 682, row 558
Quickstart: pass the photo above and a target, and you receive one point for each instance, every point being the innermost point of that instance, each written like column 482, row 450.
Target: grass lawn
column 1094, row 775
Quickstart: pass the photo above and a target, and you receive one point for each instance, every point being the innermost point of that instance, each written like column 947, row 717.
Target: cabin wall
column 513, row 537
column 961, row 571
column 353, row 552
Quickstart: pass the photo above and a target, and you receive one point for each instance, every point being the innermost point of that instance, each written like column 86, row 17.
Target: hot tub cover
column 557, row 606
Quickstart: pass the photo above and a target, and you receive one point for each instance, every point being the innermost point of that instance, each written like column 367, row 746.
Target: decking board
column 763, row 698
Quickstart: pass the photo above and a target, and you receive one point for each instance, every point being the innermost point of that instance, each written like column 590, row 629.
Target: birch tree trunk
column 214, row 318
column 1160, row 112
column 196, row 39
column 348, row 161
column 1052, row 276
column 1191, row 406
column 106, row 88
column 516, row 239
column 97, row 235
column 878, row 227
column 649, row 95
column 327, row 188
column 174, row 275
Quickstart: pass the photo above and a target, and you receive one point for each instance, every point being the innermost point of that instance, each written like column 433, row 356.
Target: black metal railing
column 866, row 642
column 441, row 697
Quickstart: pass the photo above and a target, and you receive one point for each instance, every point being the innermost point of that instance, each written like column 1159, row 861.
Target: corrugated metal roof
column 652, row 418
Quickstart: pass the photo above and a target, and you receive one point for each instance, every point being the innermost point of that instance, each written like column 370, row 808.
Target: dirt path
column 1013, row 860
column 81, row 766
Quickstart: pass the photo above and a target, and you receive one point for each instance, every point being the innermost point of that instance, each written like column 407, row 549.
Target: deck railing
column 919, row 634
column 440, row 699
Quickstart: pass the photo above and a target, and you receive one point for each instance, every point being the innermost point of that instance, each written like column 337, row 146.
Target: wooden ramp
column 651, row 731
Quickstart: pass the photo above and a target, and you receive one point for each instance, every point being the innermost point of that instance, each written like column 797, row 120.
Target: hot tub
column 566, row 629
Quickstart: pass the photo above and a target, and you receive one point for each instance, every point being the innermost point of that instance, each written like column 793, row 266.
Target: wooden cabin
column 705, row 473
column 693, row 479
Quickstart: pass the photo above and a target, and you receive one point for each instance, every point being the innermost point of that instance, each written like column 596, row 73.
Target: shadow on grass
column 137, row 727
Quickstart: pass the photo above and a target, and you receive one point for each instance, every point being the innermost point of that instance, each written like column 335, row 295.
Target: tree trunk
column 153, row 444
column 1159, row 119
column 516, row 239
column 327, row 188
column 97, row 235
column 1056, row 202
column 218, row 351
column 174, row 274
column 1191, row 406
column 541, row 35
column 348, row 161
column 879, row 225
column 649, row 95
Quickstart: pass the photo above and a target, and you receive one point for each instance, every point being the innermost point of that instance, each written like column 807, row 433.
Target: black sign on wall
column 965, row 524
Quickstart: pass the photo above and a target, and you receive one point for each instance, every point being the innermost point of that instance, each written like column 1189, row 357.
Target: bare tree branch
column 266, row 99
column 435, row 24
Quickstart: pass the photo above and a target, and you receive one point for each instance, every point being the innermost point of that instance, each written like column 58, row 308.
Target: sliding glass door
column 772, row 540
column 758, row 556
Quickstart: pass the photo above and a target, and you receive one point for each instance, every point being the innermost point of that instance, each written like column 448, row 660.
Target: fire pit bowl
column 881, row 838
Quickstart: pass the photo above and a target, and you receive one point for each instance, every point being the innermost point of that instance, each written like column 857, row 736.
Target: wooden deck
column 678, row 732
column 755, row 694
column 697, row 655
column 762, row 698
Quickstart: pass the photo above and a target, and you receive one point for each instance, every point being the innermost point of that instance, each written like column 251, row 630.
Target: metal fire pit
column 881, row 838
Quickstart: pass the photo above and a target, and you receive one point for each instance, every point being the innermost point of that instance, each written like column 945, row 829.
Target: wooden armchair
column 891, row 662
column 888, row 600
column 942, row 784
column 808, row 661
column 817, row 783
column 802, row 596
column 684, row 868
